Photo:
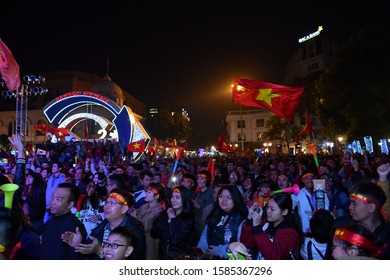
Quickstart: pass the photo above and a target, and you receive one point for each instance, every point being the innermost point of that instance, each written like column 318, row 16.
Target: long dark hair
column 284, row 201
column 238, row 201
column 187, row 211
column 94, row 198
column 160, row 188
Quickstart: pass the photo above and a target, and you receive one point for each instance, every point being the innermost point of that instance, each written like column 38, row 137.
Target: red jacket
column 273, row 243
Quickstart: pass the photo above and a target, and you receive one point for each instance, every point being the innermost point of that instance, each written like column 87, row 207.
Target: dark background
column 183, row 54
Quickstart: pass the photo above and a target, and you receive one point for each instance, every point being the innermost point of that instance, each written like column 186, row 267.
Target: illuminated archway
column 67, row 110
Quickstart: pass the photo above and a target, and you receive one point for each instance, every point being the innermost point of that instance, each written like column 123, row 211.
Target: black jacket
column 175, row 237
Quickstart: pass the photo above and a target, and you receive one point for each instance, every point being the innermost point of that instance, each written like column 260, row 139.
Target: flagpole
column 242, row 133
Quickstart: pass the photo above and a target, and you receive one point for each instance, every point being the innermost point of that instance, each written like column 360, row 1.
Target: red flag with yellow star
column 279, row 99
column 137, row 147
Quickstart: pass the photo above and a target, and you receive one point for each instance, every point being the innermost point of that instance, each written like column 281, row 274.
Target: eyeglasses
column 227, row 197
column 110, row 202
column 334, row 246
column 112, row 245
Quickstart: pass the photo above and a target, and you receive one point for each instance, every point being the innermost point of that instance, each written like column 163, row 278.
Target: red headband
column 119, row 198
column 283, row 176
column 366, row 200
column 176, row 190
column 307, row 174
column 153, row 190
column 355, row 239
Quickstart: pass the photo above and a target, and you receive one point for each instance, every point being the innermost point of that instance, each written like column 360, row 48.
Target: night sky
column 182, row 55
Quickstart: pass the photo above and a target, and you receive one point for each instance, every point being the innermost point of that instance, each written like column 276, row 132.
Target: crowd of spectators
column 82, row 200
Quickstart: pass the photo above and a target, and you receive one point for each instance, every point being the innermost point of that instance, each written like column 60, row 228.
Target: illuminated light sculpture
column 369, row 144
column 356, row 147
column 123, row 127
column 384, row 147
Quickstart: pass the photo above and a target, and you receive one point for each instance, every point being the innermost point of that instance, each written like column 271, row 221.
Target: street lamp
column 268, row 146
column 239, row 88
column 340, row 138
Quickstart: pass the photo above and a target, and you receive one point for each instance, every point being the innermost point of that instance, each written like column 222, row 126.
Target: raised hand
column 73, row 239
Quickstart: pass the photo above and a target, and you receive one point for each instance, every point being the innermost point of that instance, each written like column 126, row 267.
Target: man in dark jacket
column 63, row 199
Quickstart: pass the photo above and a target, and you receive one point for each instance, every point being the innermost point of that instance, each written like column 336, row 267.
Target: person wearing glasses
column 116, row 209
column 224, row 224
column 355, row 242
column 119, row 244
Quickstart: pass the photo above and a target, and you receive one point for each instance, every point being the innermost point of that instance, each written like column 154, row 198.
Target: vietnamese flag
column 211, row 169
column 137, row 147
column 155, row 144
column 308, row 128
column 279, row 99
column 60, row 132
column 9, row 68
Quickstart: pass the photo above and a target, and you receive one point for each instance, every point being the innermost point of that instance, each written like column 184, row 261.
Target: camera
column 320, row 198
column 319, row 192
column 257, row 209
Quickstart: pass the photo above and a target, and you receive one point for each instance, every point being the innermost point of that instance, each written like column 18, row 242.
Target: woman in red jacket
column 277, row 237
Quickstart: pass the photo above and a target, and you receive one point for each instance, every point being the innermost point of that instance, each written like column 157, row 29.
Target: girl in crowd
column 250, row 189
column 174, row 227
column 234, row 180
column 34, row 206
column 91, row 212
column 283, row 181
column 147, row 213
column 277, row 236
column 225, row 222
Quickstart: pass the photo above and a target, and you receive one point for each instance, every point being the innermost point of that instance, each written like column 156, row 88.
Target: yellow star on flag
column 136, row 145
column 266, row 95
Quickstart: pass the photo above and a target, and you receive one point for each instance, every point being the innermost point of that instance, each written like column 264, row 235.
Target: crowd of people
column 90, row 200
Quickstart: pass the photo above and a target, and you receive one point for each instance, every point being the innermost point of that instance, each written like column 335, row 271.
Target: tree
column 168, row 125
column 280, row 129
column 353, row 94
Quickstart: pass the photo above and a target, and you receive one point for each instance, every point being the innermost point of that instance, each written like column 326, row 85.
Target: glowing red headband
column 355, row 239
